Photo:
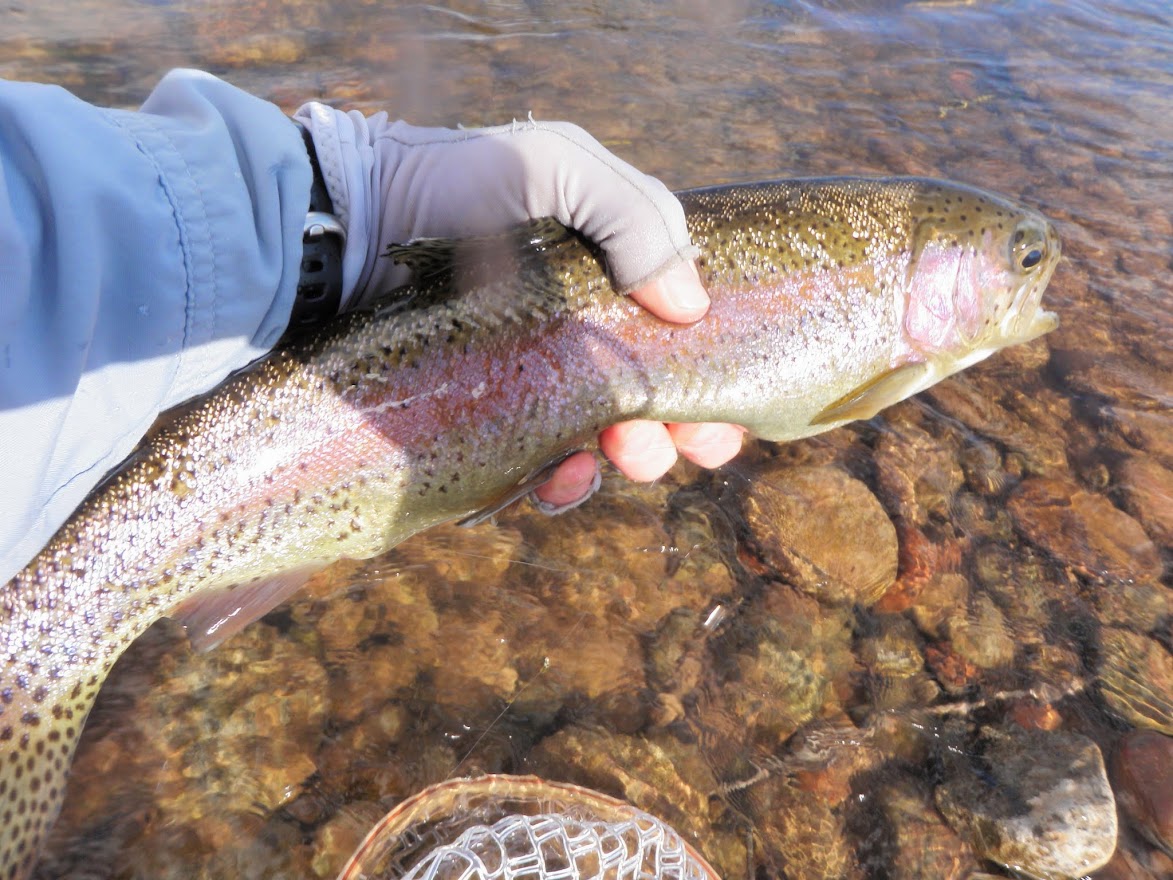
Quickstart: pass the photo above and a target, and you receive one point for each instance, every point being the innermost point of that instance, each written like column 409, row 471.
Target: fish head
column 978, row 269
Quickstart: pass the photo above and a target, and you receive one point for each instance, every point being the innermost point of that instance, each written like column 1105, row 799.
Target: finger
column 677, row 295
column 641, row 450
column 709, row 444
column 571, row 482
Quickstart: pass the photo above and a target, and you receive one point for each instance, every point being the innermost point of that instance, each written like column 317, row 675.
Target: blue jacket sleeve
column 143, row 256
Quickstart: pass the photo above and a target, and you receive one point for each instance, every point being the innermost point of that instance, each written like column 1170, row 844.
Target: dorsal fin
column 434, row 261
column 429, row 259
column 494, row 279
column 543, row 233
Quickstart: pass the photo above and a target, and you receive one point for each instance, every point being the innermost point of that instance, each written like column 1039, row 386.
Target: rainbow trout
column 831, row 299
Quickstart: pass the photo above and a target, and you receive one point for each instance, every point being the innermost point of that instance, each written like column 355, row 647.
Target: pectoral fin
column 213, row 618
column 872, row 396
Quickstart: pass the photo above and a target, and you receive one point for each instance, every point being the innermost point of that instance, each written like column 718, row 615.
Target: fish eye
column 1028, row 244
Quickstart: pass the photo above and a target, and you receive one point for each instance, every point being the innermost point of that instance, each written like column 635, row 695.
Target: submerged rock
column 1136, row 679
column 1134, row 864
column 792, row 667
column 895, row 665
column 661, row 776
column 658, row 774
column 1084, row 531
column 1033, row 801
column 975, row 404
column 981, row 635
column 1141, row 607
column 915, row 843
column 1114, row 376
column 917, row 473
column 825, row 532
column 1142, row 769
column 1147, row 487
column 938, row 602
column 801, row 831
column 1143, row 429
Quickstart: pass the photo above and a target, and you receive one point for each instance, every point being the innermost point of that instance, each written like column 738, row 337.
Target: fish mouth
column 1026, row 319
column 1022, row 329
column 1042, row 322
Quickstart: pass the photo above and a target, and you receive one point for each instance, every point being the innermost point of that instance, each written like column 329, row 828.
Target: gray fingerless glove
column 391, row 182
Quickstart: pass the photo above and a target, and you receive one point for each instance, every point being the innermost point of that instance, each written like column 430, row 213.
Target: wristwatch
column 319, row 289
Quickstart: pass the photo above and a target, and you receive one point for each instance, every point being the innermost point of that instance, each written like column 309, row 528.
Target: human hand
column 644, row 450
column 392, row 183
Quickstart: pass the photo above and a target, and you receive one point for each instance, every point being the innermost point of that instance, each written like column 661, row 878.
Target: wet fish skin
column 831, row 298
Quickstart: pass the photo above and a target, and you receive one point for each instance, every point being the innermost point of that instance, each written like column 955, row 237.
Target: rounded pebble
column 1036, row 801
column 825, row 532
column 1142, row 767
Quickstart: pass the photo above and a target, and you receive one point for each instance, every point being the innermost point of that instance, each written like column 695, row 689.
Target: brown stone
column 1135, row 678
column 1084, row 530
column 973, row 400
column 1031, row 714
column 659, row 775
column 801, row 832
column 917, row 844
column 1151, row 432
column 1147, row 487
column 1142, row 769
column 981, row 634
column 824, row 532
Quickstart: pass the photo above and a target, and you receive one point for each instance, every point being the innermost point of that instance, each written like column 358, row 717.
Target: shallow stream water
column 991, row 556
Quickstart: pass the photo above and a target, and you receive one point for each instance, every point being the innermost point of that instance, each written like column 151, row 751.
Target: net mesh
column 551, row 846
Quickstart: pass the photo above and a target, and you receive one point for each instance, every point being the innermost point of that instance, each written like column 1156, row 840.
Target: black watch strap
column 319, row 290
